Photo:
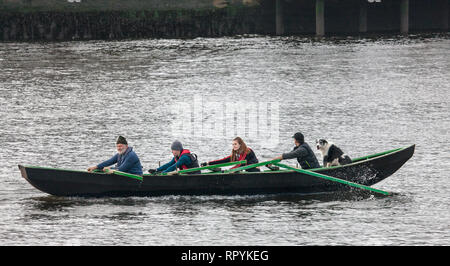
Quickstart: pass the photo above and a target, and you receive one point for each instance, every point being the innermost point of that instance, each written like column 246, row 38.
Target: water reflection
column 192, row 204
column 51, row 203
column 124, row 216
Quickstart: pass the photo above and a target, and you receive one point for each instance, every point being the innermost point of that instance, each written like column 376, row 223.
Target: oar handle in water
column 334, row 179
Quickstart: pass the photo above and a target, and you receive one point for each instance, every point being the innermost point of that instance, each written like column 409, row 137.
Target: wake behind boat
column 367, row 170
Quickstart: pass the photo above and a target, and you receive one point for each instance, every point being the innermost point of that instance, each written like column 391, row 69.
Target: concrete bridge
column 433, row 9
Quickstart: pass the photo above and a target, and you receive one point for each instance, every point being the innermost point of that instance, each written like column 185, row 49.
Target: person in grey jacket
column 305, row 156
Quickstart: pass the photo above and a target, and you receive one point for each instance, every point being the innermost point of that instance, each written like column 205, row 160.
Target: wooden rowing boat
column 367, row 170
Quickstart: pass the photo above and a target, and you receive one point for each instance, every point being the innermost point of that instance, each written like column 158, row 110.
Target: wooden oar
column 208, row 167
column 251, row 166
column 124, row 174
column 334, row 179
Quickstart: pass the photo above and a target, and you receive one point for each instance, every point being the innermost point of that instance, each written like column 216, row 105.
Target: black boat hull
column 61, row 182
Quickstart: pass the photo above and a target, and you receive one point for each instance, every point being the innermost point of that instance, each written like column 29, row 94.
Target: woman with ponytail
column 239, row 152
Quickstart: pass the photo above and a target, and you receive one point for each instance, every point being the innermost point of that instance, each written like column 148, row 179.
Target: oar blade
column 334, row 179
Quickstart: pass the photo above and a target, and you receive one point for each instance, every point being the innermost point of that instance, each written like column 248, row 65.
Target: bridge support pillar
column 279, row 17
column 404, row 16
column 320, row 17
column 445, row 15
column 363, row 16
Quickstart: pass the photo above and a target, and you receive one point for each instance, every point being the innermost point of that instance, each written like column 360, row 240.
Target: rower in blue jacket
column 126, row 160
column 182, row 159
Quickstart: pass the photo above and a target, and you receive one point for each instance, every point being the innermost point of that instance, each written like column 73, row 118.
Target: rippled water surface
column 63, row 105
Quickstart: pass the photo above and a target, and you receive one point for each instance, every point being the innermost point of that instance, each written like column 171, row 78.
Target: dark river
column 64, row 104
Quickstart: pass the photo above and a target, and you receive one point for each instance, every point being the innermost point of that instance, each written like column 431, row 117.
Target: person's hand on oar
column 275, row 159
column 152, row 171
column 92, row 168
column 108, row 170
column 173, row 173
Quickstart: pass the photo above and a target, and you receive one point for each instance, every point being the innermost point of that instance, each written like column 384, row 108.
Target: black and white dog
column 332, row 155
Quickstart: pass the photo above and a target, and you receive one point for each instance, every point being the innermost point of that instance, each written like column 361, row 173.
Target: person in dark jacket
column 305, row 156
column 182, row 159
column 126, row 160
column 239, row 152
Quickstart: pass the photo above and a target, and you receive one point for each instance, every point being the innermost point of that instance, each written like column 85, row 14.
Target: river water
column 64, row 104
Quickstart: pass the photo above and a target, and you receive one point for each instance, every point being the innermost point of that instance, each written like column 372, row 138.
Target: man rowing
column 182, row 159
column 239, row 152
column 305, row 156
column 126, row 160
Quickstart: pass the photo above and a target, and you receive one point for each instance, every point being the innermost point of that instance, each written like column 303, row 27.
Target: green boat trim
column 354, row 161
column 362, row 159
column 377, row 154
column 334, row 179
column 140, row 178
column 61, row 169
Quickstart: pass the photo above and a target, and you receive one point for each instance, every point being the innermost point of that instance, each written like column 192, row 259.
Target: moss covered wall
column 115, row 19
column 102, row 5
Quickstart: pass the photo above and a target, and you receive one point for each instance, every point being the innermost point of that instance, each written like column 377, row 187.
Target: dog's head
column 321, row 144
